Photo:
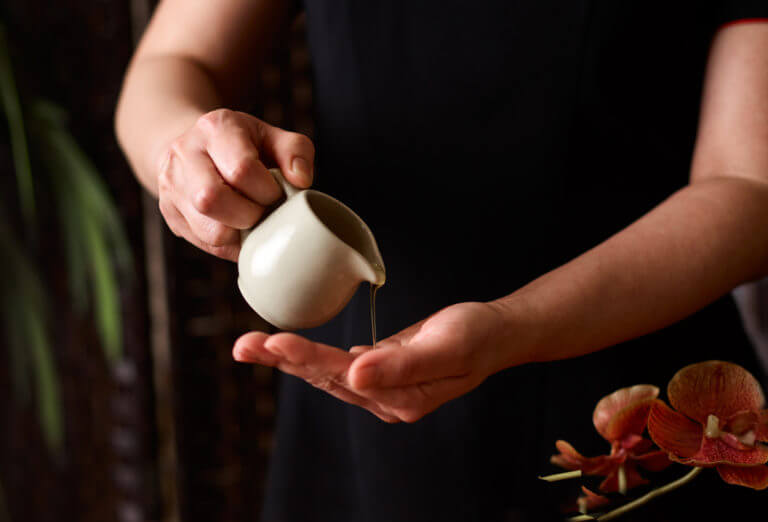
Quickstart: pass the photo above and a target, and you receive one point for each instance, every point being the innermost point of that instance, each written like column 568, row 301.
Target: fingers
column 206, row 194
column 180, row 228
column 213, row 183
column 325, row 367
column 249, row 348
column 425, row 357
column 236, row 156
column 359, row 350
column 320, row 365
column 293, row 153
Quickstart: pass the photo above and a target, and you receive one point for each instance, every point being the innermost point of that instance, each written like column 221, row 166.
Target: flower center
column 712, row 431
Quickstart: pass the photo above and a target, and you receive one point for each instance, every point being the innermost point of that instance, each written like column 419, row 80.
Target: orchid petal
column 718, row 451
column 654, row 461
column 673, row 432
column 635, row 443
column 624, row 412
column 714, row 388
column 761, row 429
column 569, row 458
column 755, row 477
column 591, row 500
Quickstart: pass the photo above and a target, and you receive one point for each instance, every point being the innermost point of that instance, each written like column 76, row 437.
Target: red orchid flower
column 620, row 418
column 719, row 422
column 589, row 501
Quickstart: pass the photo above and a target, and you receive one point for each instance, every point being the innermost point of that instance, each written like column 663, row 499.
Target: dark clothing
column 486, row 143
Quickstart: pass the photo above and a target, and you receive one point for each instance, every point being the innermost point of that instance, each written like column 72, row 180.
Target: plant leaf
column 9, row 97
column 90, row 222
column 106, row 298
column 14, row 302
column 48, row 399
column 25, row 319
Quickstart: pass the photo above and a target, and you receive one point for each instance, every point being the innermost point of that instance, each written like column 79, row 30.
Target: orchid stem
column 651, row 495
column 562, row 476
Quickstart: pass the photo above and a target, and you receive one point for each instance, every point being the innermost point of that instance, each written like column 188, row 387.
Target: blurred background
column 119, row 399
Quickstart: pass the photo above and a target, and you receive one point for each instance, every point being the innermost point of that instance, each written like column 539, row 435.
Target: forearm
column 161, row 98
column 694, row 247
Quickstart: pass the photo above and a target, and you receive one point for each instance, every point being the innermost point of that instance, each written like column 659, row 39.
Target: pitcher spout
column 370, row 270
column 379, row 274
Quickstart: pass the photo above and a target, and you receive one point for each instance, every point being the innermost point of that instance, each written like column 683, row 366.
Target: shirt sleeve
column 736, row 11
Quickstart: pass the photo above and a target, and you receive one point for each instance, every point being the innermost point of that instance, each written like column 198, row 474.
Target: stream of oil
column 374, row 287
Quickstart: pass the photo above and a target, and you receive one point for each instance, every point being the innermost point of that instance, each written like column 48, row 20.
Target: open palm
column 408, row 374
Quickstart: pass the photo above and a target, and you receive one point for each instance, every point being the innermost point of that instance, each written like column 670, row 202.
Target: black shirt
column 485, row 143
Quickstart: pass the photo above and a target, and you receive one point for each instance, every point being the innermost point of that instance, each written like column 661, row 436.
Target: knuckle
column 302, row 141
column 241, row 170
column 205, row 199
column 215, row 119
column 163, row 205
column 169, row 218
column 218, row 235
column 164, row 182
column 175, row 230
column 177, row 148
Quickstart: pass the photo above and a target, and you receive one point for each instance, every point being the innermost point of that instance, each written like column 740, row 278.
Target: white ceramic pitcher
column 300, row 265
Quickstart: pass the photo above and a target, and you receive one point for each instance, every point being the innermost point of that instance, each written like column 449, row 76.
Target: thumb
column 293, row 153
column 422, row 359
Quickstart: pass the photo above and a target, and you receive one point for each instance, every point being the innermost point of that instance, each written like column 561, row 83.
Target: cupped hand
column 407, row 376
column 213, row 181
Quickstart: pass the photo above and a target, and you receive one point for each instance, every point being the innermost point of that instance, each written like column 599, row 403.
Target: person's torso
column 485, row 143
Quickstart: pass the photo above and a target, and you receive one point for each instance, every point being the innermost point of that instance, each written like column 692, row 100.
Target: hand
column 407, row 376
column 213, row 181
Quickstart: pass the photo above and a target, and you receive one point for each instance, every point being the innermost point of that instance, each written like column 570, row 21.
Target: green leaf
column 90, row 223
column 14, row 300
column 90, row 190
column 48, row 399
column 25, row 316
column 9, row 97
column 106, row 294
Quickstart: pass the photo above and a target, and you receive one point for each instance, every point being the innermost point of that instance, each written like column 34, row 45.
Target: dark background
column 176, row 430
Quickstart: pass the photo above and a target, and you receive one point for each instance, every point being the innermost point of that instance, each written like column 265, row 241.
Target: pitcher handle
column 288, row 189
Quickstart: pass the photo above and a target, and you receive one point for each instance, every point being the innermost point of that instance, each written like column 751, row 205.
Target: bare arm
column 696, row 246
column 206, row 167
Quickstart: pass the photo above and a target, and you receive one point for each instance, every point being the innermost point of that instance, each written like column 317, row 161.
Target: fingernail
column 367, row 376
column 303, row 169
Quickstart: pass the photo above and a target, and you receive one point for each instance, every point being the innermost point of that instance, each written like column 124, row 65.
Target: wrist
column 516, row 334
